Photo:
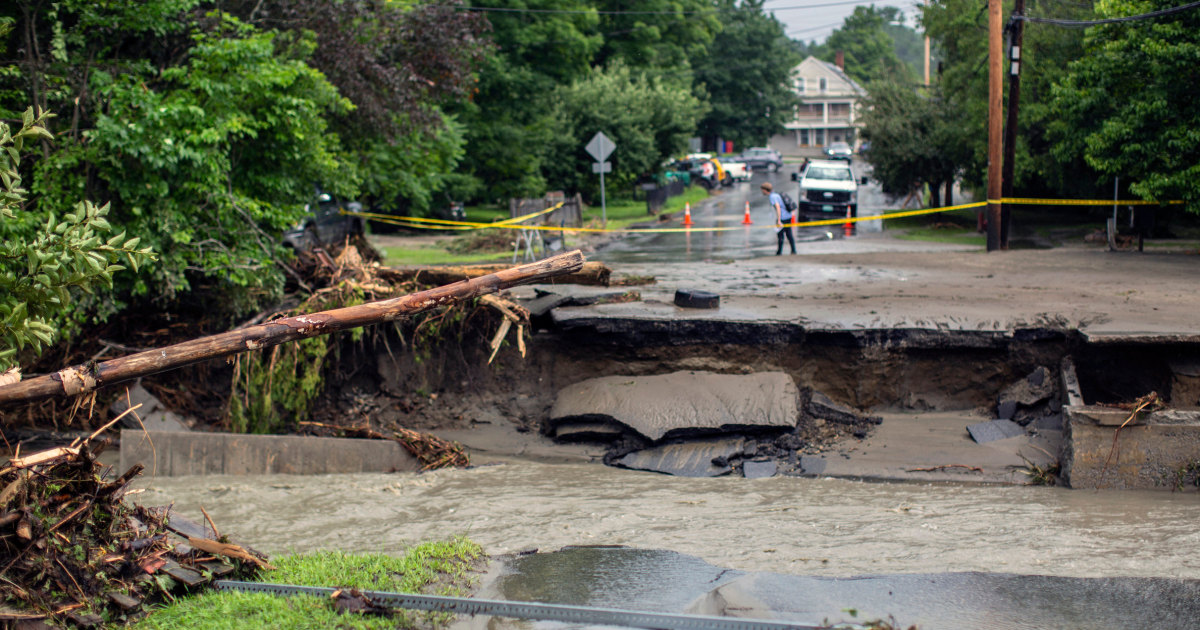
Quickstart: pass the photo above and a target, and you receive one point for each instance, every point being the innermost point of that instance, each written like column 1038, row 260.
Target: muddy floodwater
column 797, row 526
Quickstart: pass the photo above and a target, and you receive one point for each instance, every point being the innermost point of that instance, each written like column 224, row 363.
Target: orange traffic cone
column 687, row 214
column 746, row 220
column 848, row 228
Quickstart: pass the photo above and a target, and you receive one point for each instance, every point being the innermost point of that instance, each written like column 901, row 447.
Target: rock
column 154, row 416
column 682, row 403
column 1006, row 410
column 690, row 459
column 1031, row 390
column 994, row 430
column 692, row 298
column 759, row 470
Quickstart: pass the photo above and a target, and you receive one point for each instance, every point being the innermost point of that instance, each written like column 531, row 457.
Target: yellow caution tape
column 1084, row 202
column 513, row 223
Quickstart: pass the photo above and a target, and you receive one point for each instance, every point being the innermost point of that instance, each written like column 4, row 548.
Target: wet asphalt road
column 726, row 209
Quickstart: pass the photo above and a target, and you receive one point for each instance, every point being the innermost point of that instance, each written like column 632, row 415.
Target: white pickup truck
column 827, row 189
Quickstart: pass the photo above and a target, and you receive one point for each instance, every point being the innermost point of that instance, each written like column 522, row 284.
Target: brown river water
column 786, row 525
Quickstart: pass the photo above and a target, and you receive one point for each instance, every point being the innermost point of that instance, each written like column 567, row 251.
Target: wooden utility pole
column 1010, row 123
column 81, row 379
column 995, row 97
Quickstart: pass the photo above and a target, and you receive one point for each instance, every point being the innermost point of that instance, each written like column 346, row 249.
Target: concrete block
column 174, row 454
column 759, row 470
column 811, row 465
column 1150, row 452
column 151, row 415
column 1185, row 385
column 994, row 430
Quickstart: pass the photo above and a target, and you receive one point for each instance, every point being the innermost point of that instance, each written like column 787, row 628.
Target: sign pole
column 603, row 203
column 600, row 147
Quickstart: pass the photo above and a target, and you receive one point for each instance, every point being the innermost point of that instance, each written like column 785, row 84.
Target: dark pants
column 787, row 230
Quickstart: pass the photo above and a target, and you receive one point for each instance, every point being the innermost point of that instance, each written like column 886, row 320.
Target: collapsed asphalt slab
column 681, row 403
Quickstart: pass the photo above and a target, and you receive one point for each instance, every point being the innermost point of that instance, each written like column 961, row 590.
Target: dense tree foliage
column 1128, row 104
column 870, row 51
column 747, row 80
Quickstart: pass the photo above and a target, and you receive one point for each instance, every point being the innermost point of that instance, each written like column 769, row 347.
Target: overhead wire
column 1117, row 20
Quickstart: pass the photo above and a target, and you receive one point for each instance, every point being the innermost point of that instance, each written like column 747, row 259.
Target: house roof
column 811, row 67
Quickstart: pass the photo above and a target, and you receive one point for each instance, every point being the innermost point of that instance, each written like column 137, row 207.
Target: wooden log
column 81, row 379
column 595, row 274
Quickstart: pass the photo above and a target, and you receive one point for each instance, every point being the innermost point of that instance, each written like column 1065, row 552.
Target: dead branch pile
column 432, row 451
column 71, row 550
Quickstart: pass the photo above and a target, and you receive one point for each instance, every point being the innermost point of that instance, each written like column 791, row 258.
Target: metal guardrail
column 525, row 610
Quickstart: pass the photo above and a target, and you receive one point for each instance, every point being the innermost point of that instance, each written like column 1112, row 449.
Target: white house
column 829, row 103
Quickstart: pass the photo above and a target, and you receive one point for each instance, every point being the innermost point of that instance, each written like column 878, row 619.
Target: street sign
column 600, row 146
column 602, row 167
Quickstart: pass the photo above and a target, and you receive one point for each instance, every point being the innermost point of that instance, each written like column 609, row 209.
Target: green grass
column 436, row 255
column 956, row 227
column 443, row 567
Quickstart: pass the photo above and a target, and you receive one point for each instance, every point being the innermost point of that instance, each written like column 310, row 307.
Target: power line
column 1087, row 23
column 636, row 12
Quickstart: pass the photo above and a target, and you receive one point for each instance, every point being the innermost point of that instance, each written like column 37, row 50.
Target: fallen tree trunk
column 591, row 274
column 85, row 378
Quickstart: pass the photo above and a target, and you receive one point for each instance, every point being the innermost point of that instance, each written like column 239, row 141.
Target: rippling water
column 797, row 526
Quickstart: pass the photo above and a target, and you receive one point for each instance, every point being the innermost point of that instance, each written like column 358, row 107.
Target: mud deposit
column 789, row 525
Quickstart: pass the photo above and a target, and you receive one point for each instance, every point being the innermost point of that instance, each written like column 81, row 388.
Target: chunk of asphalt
column 759, row 470
column 693, row 298
column 821, row 406
column 682, row 403
column 994, row 430
column 543, row 303
column 690, row 459
column 1006, row 409
column 152, row 414
column 1034, row 388
column 588, row 431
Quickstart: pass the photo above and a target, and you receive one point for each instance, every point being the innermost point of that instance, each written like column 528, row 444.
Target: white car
column 737, row 170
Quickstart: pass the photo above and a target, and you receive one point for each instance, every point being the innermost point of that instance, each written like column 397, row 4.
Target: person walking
column 783, row 218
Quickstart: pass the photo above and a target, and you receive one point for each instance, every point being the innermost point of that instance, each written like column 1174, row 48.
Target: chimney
column 840, row 60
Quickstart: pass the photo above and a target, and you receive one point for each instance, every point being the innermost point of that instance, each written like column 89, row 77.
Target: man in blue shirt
column 782, row 218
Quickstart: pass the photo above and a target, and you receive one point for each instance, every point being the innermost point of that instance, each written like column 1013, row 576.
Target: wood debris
column 432, row 451
column 72, row 550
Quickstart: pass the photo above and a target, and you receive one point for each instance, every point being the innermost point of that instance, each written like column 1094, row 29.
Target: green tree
column 913, row 138
column 647, row 119
column 869, row 49
column 208, row 160
column 1128, row 105
column 44, row 264
column 746, row 73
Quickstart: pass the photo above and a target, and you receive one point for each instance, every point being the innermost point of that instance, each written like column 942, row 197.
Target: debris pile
column 71, row 550
column 432, row 451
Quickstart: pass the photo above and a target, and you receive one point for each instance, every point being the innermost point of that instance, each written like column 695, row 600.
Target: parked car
column 827, row 189
column 326, row 224
column 761, row 159
column 736, row 170
column 839, row 151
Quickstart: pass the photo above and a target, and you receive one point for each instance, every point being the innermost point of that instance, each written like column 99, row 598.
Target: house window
column 823, row 84
column 839, row 111
column 800, row 85
column 819, row 137
column 803, row 137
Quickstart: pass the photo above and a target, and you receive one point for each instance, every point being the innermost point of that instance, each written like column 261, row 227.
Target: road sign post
column 600, row 147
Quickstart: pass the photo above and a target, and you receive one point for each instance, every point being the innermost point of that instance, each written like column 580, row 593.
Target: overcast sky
column 809, row 20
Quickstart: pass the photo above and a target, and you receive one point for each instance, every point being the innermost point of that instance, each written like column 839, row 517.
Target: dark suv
column 761, row 159
column 326, row 225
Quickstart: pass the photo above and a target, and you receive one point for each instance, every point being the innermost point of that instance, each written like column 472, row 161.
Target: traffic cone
column 687, row 214
column 848, row 228
column 746, row 220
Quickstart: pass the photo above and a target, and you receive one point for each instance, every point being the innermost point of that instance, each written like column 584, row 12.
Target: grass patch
column 436, row 255
column 956, row 227
column 440, row 568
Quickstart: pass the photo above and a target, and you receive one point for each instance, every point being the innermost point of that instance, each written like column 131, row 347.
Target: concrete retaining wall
column 1151, row 453
column 183, row 453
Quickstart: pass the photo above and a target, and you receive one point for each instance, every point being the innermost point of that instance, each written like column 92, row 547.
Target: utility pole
column 1010, row 124
column 995, row 97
